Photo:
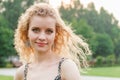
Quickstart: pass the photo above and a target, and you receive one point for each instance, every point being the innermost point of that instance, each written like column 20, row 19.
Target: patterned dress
column 58, row 77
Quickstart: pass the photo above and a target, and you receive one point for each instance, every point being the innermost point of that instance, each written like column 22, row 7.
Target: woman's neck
column 40, row 57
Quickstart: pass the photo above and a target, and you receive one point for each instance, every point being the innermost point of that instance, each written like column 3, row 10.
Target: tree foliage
column 10, row 12
column 101, row 29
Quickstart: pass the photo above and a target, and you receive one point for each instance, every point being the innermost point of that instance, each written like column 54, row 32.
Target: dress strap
column 59, row 66
column 26, row 71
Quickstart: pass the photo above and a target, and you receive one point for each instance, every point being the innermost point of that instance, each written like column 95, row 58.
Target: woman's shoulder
column 69, row 64
column 19, row 75
column 70, row 70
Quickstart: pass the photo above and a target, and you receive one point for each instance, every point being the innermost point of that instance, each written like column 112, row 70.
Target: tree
column 6, row 41
column 13, row 9
column 96, row 27
column 8, row 22
column 105, row 45
column 82, row 28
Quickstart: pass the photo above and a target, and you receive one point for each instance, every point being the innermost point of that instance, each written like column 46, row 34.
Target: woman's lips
column 41, row 44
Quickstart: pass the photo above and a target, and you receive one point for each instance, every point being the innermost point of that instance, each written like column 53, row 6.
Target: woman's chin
column 42, row 50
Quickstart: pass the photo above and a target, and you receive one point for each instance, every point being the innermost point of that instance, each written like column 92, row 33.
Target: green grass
column 6, row 77
column 104, row 71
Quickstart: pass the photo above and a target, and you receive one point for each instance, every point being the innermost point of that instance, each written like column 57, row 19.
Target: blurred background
column 96, row 20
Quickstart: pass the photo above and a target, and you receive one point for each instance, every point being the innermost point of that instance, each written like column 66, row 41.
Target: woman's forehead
column 42, row 21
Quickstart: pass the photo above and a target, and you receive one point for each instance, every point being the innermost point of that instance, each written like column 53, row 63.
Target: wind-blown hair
column 66, row 43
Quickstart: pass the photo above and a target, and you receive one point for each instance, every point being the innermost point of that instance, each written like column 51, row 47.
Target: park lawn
column 104, row 71
column 6, row 77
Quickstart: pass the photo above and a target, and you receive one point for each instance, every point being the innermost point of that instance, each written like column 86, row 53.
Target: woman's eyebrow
column 34, row 27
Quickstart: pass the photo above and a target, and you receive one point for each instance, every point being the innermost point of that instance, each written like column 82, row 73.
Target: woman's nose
column 42, row 36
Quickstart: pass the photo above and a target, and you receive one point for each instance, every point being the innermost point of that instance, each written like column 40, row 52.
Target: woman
column 47, row 47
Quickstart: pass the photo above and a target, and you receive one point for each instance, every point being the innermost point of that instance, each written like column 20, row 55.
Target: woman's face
column 41, row 33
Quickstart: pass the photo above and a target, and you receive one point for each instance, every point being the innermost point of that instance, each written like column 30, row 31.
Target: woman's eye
column 35, row 30
column 49, row 31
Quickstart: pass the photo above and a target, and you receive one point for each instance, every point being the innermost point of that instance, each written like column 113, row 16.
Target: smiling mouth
column 41, row 44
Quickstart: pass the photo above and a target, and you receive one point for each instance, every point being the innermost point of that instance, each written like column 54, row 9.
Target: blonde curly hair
column 66, row 43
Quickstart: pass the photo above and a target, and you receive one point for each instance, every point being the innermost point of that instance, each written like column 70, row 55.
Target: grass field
column 104, row 71
column 6, row 77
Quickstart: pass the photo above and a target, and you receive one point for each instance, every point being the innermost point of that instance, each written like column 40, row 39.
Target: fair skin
column 41, row 35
